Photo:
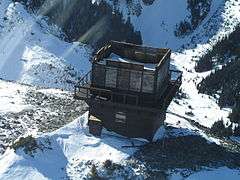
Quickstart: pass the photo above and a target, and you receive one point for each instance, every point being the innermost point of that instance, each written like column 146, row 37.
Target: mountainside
column 96, row 24
column 32, row 53
column 194, row 143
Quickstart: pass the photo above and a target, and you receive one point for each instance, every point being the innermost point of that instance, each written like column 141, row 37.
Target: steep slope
column 159, row 20
column 31, row 53
column 188, row 116
column 72, row 153
column 82, row 20
column 203, row 109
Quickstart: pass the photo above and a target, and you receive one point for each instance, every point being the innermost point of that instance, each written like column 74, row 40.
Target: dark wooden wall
column 139, row 53
column 138, row 123
column 135, row 52
column 136, row 79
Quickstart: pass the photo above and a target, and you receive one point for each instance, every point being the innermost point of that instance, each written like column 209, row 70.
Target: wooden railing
column 84, row 91
column 86, row 79
column 106, row 95
column 179, row 76
column 175, row 84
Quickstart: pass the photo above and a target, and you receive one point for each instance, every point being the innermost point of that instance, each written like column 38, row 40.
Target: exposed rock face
column 199, row 9
column 148, row 2
column 82, row 20
column 224, row 81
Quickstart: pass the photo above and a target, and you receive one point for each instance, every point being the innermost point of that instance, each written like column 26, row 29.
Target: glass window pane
column 123, row 79
column 148, row 82
column 111, row 77
column 135, row 80
column 98, row 75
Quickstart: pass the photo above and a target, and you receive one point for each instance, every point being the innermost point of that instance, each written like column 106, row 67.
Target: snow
column 26, row 110
column 11, row 98
column 117, row 58
column 158, row 21
column 70, row 146
column 32, row 54
column 204, row 108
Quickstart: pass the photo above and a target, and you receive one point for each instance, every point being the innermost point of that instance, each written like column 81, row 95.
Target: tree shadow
column 191, row 152
column 206, row 30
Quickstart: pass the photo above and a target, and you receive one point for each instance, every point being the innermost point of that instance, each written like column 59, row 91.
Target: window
column 148, row 82
column 123, row 79
column 98, row 74
column 135, row 80
column 120, row 117
column 111, row 77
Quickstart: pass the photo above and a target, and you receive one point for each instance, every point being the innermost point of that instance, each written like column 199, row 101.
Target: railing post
column 137, row 100
column 111, row 96
column 124, row 98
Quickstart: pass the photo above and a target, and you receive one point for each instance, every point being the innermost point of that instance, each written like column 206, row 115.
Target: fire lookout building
column 129, row 89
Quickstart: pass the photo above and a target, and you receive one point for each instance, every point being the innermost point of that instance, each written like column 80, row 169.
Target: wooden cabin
column 128, row 89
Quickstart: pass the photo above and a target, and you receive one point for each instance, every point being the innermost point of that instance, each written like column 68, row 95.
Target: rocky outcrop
column 199, row 9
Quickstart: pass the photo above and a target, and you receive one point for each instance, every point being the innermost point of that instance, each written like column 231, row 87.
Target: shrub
column 111, row 167
column 189, row 113
column 237, row 131
column 107, row 164
column 219, row 129
column 29, row 145
column 183, row 28
column 235, row 115
column 93, row 173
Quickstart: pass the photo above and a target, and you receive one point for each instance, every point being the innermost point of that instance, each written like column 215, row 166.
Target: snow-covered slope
column 157, row 22
column 66, row 152
column 217, row 26
column 70, row 151
column 31, row 53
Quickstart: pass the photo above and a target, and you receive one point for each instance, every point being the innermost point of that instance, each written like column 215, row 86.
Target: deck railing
column 84, row 91
column 176, row 76
column 86, row 79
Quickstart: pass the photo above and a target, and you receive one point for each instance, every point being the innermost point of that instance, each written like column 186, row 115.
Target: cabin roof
column 117, row 58
column 147, row 57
